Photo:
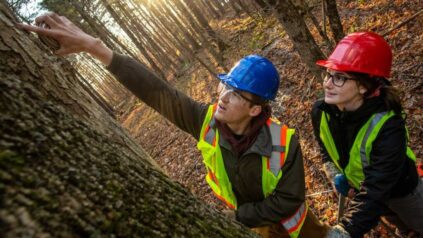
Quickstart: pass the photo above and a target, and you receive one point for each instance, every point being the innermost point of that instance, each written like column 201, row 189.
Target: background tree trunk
column 334, row 20
column 68, row 170
column 297, row 30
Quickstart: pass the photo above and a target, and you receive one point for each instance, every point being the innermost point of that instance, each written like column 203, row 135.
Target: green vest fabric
column 218, row 179
column 359, row 156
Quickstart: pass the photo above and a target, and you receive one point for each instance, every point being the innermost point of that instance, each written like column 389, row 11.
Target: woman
column 361, row 131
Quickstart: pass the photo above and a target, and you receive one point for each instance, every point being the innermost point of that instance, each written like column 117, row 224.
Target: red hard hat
column 361, row 52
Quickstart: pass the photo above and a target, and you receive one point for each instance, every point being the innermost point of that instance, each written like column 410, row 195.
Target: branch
column 402, row 23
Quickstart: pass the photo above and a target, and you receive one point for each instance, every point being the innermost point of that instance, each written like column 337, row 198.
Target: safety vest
column 359, row 156
column 218, row 179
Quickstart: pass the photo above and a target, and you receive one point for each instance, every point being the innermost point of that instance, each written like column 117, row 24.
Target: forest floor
column 176, row 151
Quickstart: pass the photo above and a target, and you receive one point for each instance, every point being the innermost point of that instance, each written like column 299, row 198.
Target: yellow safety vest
column 218, row 180
column 359, row 156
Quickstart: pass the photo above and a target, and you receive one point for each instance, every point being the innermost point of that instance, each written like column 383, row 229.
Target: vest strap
column 210, row 135
column 363, row 156
column 278, row 134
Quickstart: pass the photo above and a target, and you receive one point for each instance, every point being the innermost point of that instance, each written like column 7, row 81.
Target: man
column 254, row 163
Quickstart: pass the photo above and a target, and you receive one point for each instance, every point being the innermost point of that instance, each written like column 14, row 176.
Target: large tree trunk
column 68, row 170
column 297, row 30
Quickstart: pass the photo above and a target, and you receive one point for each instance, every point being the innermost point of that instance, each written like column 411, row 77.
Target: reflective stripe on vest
column 292, row 224
column 217, row 177
column 359, row 155
column 278, row 134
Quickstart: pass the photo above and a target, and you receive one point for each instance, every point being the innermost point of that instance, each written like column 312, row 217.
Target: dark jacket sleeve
column 387, row 160
column 316, row 114
column 177, row 107
column 286, row 198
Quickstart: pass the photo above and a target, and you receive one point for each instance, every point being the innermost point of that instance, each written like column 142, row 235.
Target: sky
column 32, row 9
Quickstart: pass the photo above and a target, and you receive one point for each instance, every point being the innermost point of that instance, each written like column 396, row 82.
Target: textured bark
column 68, row 170
column 334, row 20
column 297, row 30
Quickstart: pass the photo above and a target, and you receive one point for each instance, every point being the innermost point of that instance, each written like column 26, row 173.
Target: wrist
column 98, row 50
column 91, row 45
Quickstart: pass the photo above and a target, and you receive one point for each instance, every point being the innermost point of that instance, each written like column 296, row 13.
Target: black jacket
column 390, row 173
column 243, row 171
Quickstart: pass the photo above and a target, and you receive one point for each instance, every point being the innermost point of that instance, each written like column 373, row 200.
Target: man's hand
column 70, row 37
column 337, row 232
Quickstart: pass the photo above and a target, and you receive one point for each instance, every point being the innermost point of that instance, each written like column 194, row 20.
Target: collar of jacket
column 368, row 108
column 262, row 145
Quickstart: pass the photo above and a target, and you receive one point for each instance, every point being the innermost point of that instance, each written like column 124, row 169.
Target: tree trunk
column 334, row 20
column 307, row 12
column 300, row 35
column 68, row 170
column 205, row 24
column 137, row 42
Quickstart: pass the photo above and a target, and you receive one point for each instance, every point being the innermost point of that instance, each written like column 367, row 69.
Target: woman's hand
column 70, row 37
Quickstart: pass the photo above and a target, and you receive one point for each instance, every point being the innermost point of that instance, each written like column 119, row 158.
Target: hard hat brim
column 330, row 64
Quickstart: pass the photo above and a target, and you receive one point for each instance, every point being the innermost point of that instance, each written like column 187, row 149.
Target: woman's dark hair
column 257, row 100
column 388, row 93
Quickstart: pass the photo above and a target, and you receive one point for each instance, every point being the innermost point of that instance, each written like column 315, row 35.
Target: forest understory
column 176, row 151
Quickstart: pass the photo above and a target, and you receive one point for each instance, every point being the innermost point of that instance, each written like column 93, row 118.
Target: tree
column 334, row 20
column 297, row 30
column 68, row 170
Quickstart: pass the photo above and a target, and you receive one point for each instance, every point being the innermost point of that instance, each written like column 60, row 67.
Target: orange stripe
column 223, row 200
column 268, row 122
column 206, row 131
column 268, row 163
column 213, row 177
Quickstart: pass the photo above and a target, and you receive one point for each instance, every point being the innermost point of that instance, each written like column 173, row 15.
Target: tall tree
column 62, row 176
column 205, row 24
column 294, row 25
column 334, row 20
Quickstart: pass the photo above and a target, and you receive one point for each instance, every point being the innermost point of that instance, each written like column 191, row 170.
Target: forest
column 82, row 156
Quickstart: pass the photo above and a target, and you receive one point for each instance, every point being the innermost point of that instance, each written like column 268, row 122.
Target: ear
column 362, row 89
column 255, row 110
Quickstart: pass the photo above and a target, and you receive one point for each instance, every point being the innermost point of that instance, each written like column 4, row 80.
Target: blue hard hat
column 254, row 74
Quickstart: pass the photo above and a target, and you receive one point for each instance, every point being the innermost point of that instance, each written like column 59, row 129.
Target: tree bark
column 68, row 170
column 334, row 20
column 297, row 30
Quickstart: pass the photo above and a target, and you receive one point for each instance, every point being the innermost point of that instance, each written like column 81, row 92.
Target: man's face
column 234, row 106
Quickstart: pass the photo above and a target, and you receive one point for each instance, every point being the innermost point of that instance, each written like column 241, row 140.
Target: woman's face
column 343, row 91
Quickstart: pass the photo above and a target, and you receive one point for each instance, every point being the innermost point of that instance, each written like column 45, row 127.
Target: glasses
column 338, row 79
column 234, row 95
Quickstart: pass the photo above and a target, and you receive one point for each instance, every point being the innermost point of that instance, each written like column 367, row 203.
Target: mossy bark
column 68, row 170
